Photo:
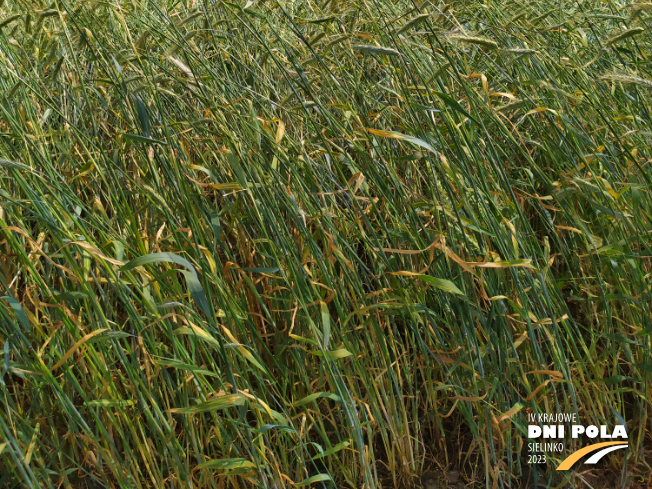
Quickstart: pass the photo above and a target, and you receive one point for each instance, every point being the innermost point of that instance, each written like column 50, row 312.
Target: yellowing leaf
column 568, row 228
column 227, row 464
column 503, row 94
column 519, row 341
column 403, row 137
column 315, row 396
column 243, row 350
column 515, row 409
column 280, row 131
column 333, row 450
column 223, row 402
column 119, row 403
column 375, row 49
column 504, row 264
column 469, row 399
column 540, row 109
column 552, row 373
column 314, row 478
column 203, row 334
column 224, row 186
column 334, row 354
column 442, row 284
column 74, row 348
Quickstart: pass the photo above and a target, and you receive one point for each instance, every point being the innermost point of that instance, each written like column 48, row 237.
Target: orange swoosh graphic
column 575, row 456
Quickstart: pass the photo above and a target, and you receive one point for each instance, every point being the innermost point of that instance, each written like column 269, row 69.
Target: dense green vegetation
column 331, row 243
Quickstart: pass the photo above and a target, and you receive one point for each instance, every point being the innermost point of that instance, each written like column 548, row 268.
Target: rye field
column 325, row 244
